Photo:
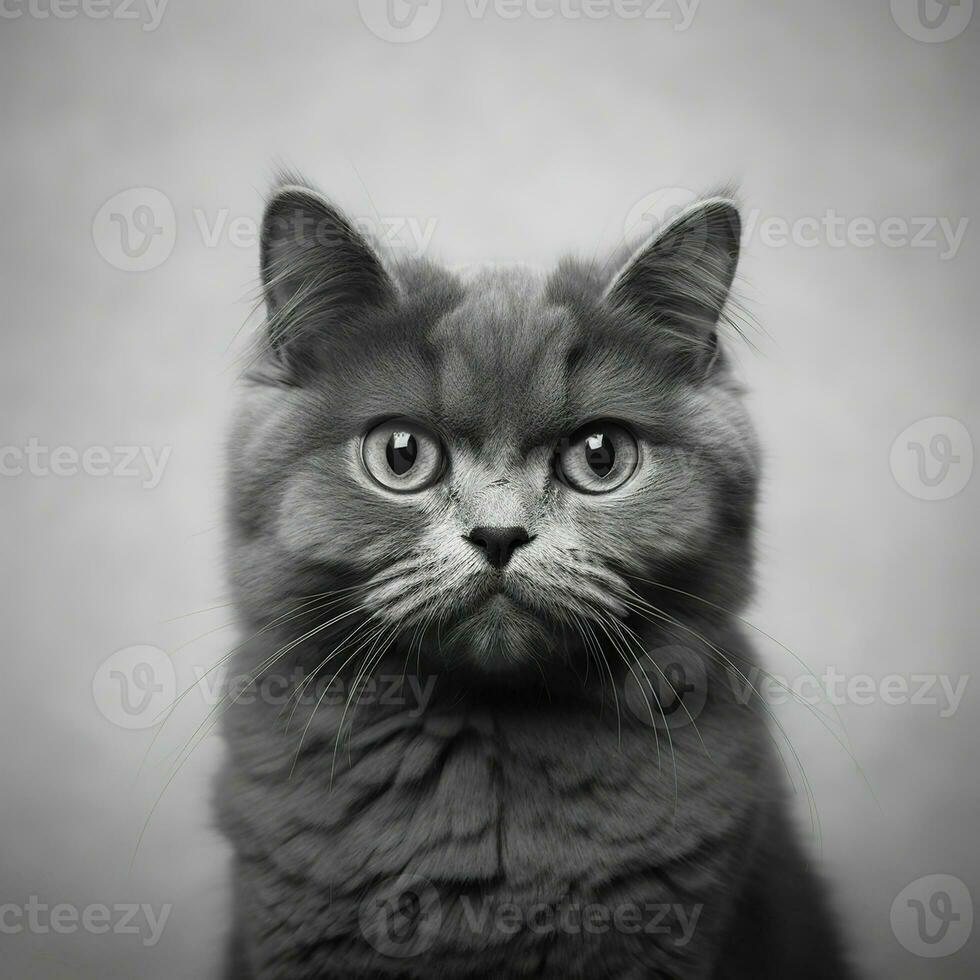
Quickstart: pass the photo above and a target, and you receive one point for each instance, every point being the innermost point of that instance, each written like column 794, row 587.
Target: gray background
column 512, row 140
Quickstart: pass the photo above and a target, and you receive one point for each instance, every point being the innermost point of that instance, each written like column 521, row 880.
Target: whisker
column 745, row 622
column 670, row 740
column 369, row 660
column 300, row 688
column 820, row 716
column 319, row 700
column 811, row 801
column 167, row 712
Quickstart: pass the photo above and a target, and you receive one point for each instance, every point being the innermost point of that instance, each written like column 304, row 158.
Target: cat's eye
column 597, row 458
column 403, row 455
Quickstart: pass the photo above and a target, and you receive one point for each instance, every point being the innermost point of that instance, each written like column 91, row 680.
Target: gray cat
column 488, row 540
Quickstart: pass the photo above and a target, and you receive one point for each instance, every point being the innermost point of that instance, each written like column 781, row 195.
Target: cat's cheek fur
column 666, row 512
column 332, row 512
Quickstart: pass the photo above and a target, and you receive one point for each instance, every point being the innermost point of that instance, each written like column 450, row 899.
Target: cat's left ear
column 680, row 279
column 319, row 272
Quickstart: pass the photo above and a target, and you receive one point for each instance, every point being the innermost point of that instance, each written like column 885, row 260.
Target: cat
column 501, row 526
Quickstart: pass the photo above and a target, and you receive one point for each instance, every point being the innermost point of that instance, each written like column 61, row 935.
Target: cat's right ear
column 680, row 280
column 319, row 273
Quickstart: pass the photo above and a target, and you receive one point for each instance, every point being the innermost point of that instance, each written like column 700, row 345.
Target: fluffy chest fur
column 543, row 845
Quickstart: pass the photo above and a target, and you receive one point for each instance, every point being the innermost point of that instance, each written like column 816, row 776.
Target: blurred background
column 138, row 140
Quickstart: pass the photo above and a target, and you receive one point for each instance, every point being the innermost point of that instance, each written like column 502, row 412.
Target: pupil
column 401, row 452
column 599, row 453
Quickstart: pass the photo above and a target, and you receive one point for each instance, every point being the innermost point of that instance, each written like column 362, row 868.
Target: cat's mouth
column 500, row 599
column 495, row 629
column 500, row 619
column 493, row 605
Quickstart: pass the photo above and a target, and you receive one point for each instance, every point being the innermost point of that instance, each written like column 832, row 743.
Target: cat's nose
column 498, row 543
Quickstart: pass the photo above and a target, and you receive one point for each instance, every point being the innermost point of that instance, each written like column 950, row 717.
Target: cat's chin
column 498, row 636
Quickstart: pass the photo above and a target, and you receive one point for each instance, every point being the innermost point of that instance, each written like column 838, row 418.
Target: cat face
column 494, row 464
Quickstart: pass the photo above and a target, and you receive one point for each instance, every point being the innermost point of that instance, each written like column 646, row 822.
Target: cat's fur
column 523, row 782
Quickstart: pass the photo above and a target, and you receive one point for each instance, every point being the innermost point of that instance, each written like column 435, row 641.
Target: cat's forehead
column 503, row 353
